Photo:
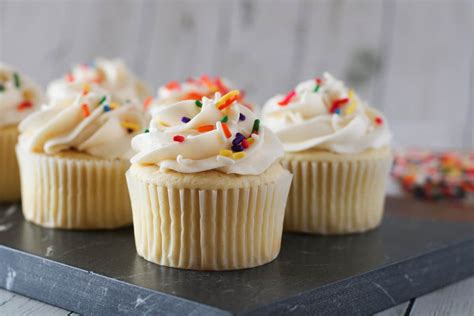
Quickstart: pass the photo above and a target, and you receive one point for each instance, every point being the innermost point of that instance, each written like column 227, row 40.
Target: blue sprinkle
column 237, row 148
column 238, row 139
column 185, row 119
column 106, row 108
column 242, row 117
column 337, row 111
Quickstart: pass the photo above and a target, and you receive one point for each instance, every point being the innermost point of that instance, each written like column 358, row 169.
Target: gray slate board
column 419, row 247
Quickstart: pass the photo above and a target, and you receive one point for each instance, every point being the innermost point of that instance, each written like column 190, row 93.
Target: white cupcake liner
column 223, row 229
column 9, row 175
column 336, row 197
column 72, row 193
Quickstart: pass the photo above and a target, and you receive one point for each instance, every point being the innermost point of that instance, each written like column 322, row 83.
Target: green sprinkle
column 146, row 131
column 198, row 103
column 224, row 119
column 256, row 126
column 317, row 88
column 2, row 87
column 16, row 78
column 102, row 100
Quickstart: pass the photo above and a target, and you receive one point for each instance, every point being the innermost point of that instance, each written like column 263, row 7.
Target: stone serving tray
column 420, row 247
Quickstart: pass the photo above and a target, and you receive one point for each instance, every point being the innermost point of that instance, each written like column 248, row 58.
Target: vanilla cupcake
column 207, row 190
column 192, row 89
column 338, row 149
column 110, row 75
column 19, row 97
column 73, row 158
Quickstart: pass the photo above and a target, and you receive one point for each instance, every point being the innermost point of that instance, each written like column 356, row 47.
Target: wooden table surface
column 456, row 299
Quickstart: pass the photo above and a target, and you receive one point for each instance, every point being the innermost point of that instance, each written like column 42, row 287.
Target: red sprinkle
column 147, row 102
column 378, row 120
column 337, row 103
column 178, row 138
column 287, row 98
column 24, row 106
column 318, row 81
column 172, row 85
column 85, row 110
column 226, row 130
column 245, row 144
column 70, row 77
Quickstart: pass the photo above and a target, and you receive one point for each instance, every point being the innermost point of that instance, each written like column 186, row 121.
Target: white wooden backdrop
column 413, row 59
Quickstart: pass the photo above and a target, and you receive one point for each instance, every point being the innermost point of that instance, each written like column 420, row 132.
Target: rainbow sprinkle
column 16, row 79
column 85, row 110
column 227, row 99
column 198, row 103
column 130, row 126
column 256, row 126
column 242, row 117
column 147, row 102
column 238, row 155
column 318, row 84
column 378, row 120
column 178, row 138
column 106, row 108
column 226, row 130
column 336, row 104
column 86, row 88
column 24, row 106
column 224, row 119
column 225, row 153
column 351, row 108
column 172, row 85
column 287, row 98
column 205, row 128
column 102, row 100
column 185, row 119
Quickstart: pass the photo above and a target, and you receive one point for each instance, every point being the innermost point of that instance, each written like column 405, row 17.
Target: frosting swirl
column 19, row 96
column 192, row 89
column 324, row 114
column 91, row 124
column 212, row 134
column 110, row 75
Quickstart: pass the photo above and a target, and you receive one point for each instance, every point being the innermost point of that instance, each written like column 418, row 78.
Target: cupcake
column 73, row 158
column 207, row 190
column 19, row 97
column 192, row 89
column 338, row 149
column 110, row 75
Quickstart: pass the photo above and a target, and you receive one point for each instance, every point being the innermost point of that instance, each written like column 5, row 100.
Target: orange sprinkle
column 147, row 102
column 227, row 99
column 69, row 77
column 205, row 128
column 226, row 130
column 85, row 110
column 172, row 85
column 193, row 96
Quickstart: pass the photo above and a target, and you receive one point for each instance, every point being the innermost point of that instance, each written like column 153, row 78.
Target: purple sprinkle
column 237, row 148
column 238, row 139
column 241, row 117
column 185, row 119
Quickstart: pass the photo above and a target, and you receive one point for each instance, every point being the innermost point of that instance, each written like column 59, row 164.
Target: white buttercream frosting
column 19, row 96
column 91, row 124
column 179, row 140
column 192, row 89
column 110, row 75
column 324, row 114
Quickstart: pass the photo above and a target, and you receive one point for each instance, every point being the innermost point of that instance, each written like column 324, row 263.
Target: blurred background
column 414, row 60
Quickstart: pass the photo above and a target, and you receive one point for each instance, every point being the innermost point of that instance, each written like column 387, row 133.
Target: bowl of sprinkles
column 435, row 175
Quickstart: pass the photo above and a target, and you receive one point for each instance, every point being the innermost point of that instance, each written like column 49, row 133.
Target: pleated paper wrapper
column 224, row 229
column 9, row 175
column 72, row 193
column 336, row 197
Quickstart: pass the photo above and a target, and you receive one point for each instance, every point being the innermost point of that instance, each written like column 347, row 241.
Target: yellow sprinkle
column 238, row 155
column 86, row 88
column 114, row 105
column 250, row 140
column 351, row 108
column 226, row 97
column 27, row 95
column 163, row 124
column 225, row 153
column 130, row 125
